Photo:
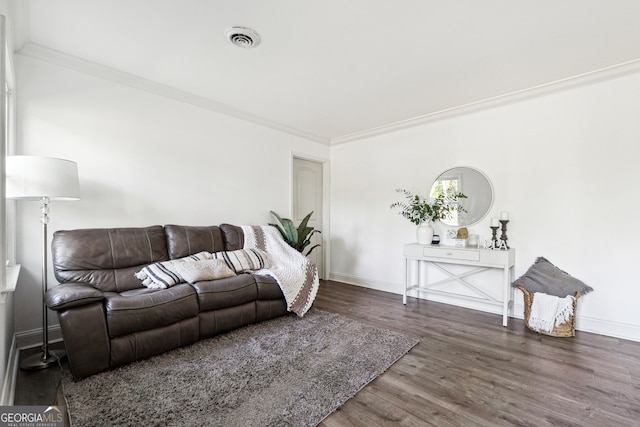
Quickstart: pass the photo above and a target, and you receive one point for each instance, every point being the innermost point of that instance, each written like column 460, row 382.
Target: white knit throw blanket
column 296, row 274
column 548, row 311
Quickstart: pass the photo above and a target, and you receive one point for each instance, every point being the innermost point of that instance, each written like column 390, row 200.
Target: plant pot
column 424, row 234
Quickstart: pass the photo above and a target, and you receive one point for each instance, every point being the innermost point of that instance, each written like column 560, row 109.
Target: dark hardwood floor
column 467, row 370
column 38, row 387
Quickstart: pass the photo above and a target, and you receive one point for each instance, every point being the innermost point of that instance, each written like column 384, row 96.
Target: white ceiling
column 334, row 70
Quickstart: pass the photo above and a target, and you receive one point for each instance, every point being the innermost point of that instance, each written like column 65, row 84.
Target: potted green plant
column 422, row 212
column 297, row 237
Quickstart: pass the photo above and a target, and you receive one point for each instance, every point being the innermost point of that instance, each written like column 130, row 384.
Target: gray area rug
column 288, row 371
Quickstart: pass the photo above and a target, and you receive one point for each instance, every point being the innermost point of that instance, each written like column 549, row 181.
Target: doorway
column 307, row 196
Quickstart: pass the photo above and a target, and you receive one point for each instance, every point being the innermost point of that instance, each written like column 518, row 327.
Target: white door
column 307, row 197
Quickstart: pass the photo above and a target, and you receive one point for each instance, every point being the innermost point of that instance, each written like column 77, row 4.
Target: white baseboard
column 621, row 330
column 7, row 393
column 391, row 287
column 586, row 324
column 33, row 337
column 21, row 341
column 396, row 288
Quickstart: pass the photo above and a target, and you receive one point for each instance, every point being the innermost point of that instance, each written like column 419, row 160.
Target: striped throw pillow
column 209, row 269
column 244, row 259
column 163, row 275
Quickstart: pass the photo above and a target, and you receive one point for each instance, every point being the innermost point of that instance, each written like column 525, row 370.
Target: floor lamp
column 44, row 179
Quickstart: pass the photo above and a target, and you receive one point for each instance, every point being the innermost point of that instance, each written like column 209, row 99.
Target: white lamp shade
column 34, row 177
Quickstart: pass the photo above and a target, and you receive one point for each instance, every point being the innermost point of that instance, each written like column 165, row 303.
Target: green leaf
column 310, row 249
column 419, row 210
column 303, row 230
column 284, row 236
column 289, row 231
column 297, row 237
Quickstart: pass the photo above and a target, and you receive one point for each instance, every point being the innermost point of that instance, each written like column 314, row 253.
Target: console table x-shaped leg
column 482, row 260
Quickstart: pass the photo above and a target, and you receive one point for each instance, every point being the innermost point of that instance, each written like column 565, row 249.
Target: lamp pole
column 48, row 357
column 43, row 179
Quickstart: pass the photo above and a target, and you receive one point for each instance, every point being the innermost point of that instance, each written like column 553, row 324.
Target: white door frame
column 326, row 232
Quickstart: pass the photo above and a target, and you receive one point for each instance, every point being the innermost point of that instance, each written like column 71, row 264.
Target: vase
column 424, row 233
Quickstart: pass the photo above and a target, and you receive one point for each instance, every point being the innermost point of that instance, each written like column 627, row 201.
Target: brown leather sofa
column 108, row 318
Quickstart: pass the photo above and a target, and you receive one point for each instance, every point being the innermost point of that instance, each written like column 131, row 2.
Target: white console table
column 478, row 260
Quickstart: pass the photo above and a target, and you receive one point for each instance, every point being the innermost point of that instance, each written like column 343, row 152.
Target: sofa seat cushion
column 268, row 287
column 144, row 309
column 227, row 292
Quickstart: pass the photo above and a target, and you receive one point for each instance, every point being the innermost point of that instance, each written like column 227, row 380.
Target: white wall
column 565, row 165
column 142, row 160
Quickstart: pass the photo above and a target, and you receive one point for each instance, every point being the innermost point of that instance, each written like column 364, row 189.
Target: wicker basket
column 566, row 329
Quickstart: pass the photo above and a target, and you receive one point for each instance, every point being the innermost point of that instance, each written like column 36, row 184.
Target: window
column 7, row 147
column 9, row 135
column 447, row 186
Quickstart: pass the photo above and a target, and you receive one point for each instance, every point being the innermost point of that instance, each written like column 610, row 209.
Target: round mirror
column 472, row 183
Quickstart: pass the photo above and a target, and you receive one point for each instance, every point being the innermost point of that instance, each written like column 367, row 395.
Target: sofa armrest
column 72, row 294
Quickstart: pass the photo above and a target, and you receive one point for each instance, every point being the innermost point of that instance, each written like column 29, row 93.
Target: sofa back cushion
column 233, row 237
column 107, row 258
column 185, row 240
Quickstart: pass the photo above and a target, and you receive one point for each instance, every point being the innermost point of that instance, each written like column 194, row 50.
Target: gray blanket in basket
column 545, row 277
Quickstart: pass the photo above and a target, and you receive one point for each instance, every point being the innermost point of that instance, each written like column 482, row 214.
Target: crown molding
column 41, row 53
column 543, row 89
column 19, row 24
column 51, row 56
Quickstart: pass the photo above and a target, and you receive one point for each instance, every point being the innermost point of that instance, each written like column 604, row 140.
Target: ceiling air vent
column 243, row 37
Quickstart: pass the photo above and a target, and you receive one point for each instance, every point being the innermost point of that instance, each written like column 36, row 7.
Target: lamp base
column 41, row 361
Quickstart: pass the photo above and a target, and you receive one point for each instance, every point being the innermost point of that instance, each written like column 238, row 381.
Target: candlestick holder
column 503, row 237
column 494, row 238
